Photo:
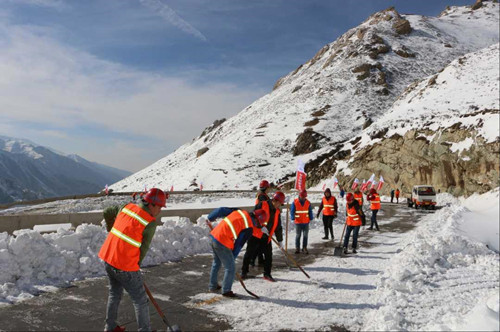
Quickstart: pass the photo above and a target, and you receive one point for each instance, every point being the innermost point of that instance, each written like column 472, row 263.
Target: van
column 423, row 196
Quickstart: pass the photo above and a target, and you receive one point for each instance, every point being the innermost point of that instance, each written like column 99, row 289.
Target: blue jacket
column 244, row 235
column 292, row 210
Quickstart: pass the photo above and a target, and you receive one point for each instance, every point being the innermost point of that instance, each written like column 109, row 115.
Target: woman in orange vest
column 374, row 199
column 228, row 237
column 397, row 195
column 301, row 213
column 329, row 207
column 353, row 221
column 122, row 252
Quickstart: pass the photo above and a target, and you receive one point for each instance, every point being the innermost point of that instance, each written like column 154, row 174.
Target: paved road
column 82, row 306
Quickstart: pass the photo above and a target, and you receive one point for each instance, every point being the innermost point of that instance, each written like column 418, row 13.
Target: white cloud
column 54, row 86
column 172, row 17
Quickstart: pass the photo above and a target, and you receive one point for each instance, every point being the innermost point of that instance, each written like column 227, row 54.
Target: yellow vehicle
column 423, row 196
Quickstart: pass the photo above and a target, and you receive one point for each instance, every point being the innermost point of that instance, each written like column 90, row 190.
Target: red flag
column 324, row 184
column 300, row 181
column 201, row 185
column 172, row 188
column 335, row 182
column 106, row 189
column 364, row 185
column 373, row 184
column 380, row 183
column 355, row 184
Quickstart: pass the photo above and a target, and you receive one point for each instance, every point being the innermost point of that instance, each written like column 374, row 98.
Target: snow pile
column 442, row 274
column 30, row 262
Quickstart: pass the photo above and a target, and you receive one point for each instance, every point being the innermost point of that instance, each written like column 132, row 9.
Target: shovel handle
column 290, row 258
column 162, row 315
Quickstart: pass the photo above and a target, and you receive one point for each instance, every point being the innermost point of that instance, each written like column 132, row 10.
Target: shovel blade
column 337, row 251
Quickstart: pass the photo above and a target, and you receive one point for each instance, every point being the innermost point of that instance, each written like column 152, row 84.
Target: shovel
column 173, row 328
column 337, row 251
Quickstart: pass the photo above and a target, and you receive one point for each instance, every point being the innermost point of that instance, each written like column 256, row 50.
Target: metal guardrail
column 11, row 223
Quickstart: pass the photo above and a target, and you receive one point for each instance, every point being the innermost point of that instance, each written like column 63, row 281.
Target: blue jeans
column 222, row 255
column 301, row 229
column 132, row 282
column 355, row 231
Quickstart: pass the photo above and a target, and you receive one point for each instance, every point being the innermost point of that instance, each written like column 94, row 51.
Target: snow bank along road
column 414, row 274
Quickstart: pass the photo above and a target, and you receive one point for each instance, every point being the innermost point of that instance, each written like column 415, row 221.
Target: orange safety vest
column 122, row 247
column 257, row 232
column 328, row 205
column 275, row 224
column 227, row 231
column 375, row 202
column 353, row 218
column 301, row 212
column 359, row 198
column 397, row 193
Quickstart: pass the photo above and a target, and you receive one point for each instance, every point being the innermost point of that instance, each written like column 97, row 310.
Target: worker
column 123, row 251
column 261, row 238
column 228, row 237
column 397, row 195
column 374, row 199
column 358, row 195
column 301, row 214
column 262, row 195
column 329, row 207
column 353, row 221
column 342, row 192
column 392, row 195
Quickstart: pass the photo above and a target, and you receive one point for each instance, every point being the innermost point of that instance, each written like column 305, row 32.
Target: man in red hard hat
column 374, row 199
column 301, row 214
column 228, row 237
column 124, row 249
column 261, row 238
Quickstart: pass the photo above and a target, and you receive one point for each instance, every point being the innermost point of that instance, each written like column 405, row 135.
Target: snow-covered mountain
column 30, row 171
column 314, row 112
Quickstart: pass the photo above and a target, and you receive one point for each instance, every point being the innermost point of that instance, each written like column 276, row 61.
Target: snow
column 439, row 276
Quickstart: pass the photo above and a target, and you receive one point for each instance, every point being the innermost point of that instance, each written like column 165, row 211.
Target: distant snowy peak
column 19, row 146
column 315, row 110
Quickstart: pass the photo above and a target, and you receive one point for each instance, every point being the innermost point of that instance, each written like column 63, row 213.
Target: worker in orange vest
column 329, row 207
column 301, row 214
column 358, row 195
column 262, row 195
column 374, row 199
column 123, row 251
column 353, row 221
column 228, row 237
column 261, row 238
column 397, row 195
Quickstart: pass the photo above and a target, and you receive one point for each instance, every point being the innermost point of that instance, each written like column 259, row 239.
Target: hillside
column 29, row 171
column 313, row 112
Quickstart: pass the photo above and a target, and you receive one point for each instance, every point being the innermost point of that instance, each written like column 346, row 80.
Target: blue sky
column 126, row 82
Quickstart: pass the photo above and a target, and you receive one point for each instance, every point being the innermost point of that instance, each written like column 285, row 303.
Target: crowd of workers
column 131, row 228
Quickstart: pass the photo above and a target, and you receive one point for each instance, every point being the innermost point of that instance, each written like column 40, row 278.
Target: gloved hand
column 280, row 244
column 265, row 230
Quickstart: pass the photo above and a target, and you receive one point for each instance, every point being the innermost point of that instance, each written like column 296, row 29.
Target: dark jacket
column 272, row 211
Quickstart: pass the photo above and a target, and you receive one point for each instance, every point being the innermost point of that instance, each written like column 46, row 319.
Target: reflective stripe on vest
column 135, row 216
column 125, row 237
column 301, row 211
column 244, row 218
column 353, row 218
column 231, row 227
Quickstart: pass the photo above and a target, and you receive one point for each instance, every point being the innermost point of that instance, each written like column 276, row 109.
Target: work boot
column 378, row 229
column 304, row 250
column 118, row 329
column 268, row 277
column 216, row 290
column 324, row 238
column 229, row 294
column 244, row 276
column 345, row 251
column 370, row 228
column 297, row 251
column 354, row 251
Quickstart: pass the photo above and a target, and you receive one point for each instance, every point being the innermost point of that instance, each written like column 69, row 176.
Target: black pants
column 327, row 224
column 374, row 219
column 255, row 245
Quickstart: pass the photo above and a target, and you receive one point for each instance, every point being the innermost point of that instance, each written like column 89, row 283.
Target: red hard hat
column 264, row 184
column 349, row 197
column 261, row 216
column 156, row 196
column 279, row 196
column 372, row 191
column 303, row 193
